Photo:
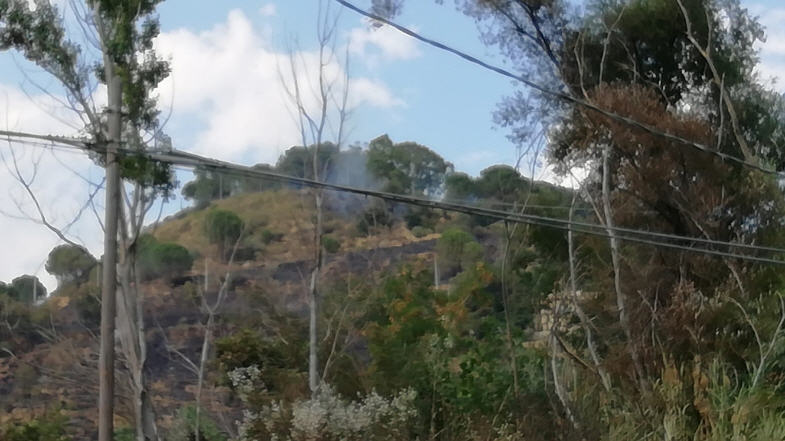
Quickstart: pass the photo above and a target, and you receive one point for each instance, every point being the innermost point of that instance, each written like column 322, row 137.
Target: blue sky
column 442, row 102
column 226, row 100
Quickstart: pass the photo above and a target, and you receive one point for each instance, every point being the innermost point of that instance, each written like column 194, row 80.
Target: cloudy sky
column 226, row 100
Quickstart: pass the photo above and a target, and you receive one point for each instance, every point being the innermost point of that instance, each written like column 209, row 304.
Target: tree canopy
column 407, row 167
column 27, row 289
column 70, row 263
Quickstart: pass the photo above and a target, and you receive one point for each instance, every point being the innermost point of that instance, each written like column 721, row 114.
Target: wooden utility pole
column 109, row 270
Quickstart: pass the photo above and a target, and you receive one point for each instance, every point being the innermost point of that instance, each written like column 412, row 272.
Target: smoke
column 349, row 168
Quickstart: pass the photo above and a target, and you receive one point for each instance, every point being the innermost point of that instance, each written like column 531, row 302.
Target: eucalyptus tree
column 119, row 54
column 319, row 96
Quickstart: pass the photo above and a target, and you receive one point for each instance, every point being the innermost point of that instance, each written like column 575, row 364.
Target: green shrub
column 185, row 427
column 245, row 254
column 223, row 228
column 241, row 349
column 50, row 427
column 269, row 237
column 421, row 217
column 375, row 216
column 28, row 289
column 279, row 362
column 69, row 263
column 172, row 259
column 420, row 231
column 162, row 259
column 330, row 244
column 458, row 250
column 124, row 434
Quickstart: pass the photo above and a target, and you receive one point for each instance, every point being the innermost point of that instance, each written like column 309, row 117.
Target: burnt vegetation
column 644, row 302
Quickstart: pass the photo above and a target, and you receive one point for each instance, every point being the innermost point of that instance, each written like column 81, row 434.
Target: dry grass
column 287, row 212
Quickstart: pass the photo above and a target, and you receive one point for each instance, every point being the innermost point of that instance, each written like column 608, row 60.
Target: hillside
column 55, row 354
column 285, row 213
column 54, row 350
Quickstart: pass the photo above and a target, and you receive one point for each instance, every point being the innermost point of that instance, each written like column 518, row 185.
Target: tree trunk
column 109, row 268
column 313, row 299
column 134, row 347
column 200, row 377
column 616, row 261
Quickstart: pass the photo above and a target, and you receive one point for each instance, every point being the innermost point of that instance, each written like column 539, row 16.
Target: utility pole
column 109, row 280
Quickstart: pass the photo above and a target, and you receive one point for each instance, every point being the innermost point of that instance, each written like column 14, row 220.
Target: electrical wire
column 193, row 161
column 560, row 95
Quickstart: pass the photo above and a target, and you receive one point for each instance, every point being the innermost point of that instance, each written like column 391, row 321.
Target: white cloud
column 363, row 90
column 772, row 51
column 227, row 92
column 268, row 10
column 228, row 78
column 61, row 193
column 382, row 44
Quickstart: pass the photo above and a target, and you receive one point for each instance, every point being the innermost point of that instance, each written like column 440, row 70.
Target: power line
column 189, row 159
column 561, row 224
column 176, row 157
column 475, row 210
column 558, row 94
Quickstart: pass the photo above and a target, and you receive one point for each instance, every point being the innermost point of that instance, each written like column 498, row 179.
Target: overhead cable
column 177, row 157
column 561, row 95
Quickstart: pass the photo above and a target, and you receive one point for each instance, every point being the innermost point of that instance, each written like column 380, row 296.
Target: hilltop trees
column 407, row 167
column 27, row 289
column 308, row 162
column 208, row 185
column 70, row 263
column 223, row 228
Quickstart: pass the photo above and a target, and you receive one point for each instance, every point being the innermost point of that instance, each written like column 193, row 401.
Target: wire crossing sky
column 193, row 161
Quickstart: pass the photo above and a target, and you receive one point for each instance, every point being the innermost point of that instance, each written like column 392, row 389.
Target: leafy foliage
column 330, row 244
column 27, row 289
column 50, row 427
column 185, row 426
column 407, row 167
column 298, row 161
column 161, row 259
column 70, row 263
column 223, row 228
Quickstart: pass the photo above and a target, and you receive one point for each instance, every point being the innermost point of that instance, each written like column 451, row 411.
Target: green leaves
column 70, row 263
column 161, row 259
column 50, row 427
column 407, row 167
column 38, row 33
column 223, row 228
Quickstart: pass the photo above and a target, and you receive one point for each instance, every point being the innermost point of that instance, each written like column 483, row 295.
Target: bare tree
column 211, row 309
column 321, row 110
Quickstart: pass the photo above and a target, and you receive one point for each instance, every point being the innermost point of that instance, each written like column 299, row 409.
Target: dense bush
column 269, row 237
column 420, row 231
column 325, row 416
column 50, row 427
column 162, row 259
column 185, row 426
column 375, row 216
column 330, row 244
column 27, row 289
column 421, row 216
column 223, row 229
column 69, row 263
column 458, row 250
